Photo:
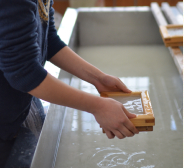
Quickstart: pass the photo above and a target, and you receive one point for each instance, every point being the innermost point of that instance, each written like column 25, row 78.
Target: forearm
column 57, row 92
column 110, row 114
column 74, row 64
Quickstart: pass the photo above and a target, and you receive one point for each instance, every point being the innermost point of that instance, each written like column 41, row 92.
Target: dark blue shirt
column 27, row 39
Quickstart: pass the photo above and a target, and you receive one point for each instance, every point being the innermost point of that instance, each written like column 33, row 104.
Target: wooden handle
column 140, row 129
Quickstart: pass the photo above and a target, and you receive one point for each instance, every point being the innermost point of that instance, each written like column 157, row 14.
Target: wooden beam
column 125, row 3
column 175, row 51
column 157, row 13
column 169, row 14
column 178, row 58
column 61, row 6
column 173, row 44
column 172, row 39
column 180, row 7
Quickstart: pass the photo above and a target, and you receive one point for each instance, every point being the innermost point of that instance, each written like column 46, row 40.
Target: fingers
column 128, row 114
column 119, row 134
column 128, row 124
column 125, row 128
column 123, row 87
column 109, row 134
column 116, row 133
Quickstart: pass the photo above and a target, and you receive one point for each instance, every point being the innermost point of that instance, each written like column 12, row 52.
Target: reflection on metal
column 177, row 14
column 173, row 124
column 133, row 83
column 179, row 110
column 67, row 25
column 84, row 122
column 88, row 123
column 65, row 32
column 75, row 121
column 54, row 71
column 88, row 87
column 136, row 83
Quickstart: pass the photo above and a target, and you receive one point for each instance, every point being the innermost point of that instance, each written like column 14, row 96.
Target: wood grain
column 140, row 129
column 176, row 53
column 169, row 40
column 61, row 6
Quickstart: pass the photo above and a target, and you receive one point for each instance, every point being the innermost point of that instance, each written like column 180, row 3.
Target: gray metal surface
column 180, row 7
column 95, row 27
column 169, row 13
column 157, row 13
column 118, row 27
column 177, row 14
column 46, row 150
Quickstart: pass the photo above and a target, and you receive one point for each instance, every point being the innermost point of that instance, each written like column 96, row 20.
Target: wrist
column 98, row 104
column 97, row 78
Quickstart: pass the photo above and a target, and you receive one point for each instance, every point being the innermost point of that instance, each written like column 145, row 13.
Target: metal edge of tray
column 48, row 143
column 47, row 146
column 162, row 20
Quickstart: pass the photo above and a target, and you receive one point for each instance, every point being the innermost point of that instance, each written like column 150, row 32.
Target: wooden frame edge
column 168, row 40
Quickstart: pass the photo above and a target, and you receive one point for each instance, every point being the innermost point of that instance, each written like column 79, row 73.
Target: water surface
column 83, row 145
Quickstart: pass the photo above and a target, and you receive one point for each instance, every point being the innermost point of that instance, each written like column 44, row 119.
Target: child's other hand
column 114, row 119
column 107, row 83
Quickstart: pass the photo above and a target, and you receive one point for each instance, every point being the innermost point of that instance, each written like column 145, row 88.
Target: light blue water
column 83, row 145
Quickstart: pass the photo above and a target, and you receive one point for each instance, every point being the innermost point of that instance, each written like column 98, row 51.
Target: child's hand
column 107, row 83
column 114, row 119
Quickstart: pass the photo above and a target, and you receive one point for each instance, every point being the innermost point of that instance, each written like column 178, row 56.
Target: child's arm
column 69, row 61
column 110, row 114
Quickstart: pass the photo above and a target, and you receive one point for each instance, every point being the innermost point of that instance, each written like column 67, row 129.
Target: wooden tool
column 172, row 40
column 161, row 20
column 143, row 122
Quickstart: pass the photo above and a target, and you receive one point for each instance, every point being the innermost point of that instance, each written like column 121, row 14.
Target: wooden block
column 175, row 51
column 148, row 128
column 61, row 6
column 171, row 38
column 125, row 3
column 157, row 13
column 146, row 119
column 140, row 129
column 169, row 14
column 173, row 44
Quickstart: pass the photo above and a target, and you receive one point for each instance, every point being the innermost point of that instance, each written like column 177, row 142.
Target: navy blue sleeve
column 19, row 49
column 54, row 42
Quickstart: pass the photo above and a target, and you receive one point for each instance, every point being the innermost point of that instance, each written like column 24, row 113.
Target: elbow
column 26, row 78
